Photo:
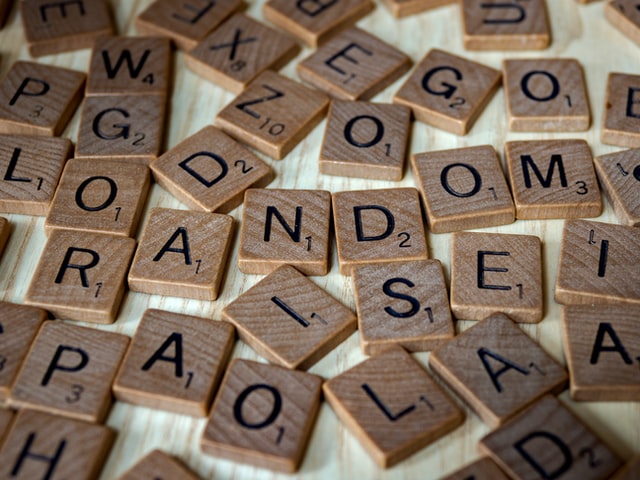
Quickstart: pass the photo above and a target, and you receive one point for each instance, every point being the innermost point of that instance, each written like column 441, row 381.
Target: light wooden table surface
column 579, row 31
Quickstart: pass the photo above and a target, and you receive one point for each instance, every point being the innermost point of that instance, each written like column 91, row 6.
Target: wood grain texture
column 621, row 122
column 158, row 465
column 483, row 469
column 619, row 175
column 5, row 232
column 624, row 15
column 6, row 420
column 405, row 8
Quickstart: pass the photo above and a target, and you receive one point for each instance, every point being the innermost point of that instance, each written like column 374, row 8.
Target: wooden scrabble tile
column 314, row 22
column 602, row 350
column 289, row 320
column 182, row 253
column 32, row 168
column 448, row 92
column 129, row 66
column 621, row 123
column 210, row 171
column 273, row 114
column 354, row 65
column 186, row 23
column 47, row 446
column 546, row 95
column 239, row 50
column 392, row 406
column 619, row 175
column 483, row 469
column 54, row 27
column 497, row 369
column 630, row 471
column 404, row 8
column 69, row 371
column 121, row 127
column 106, row 196
column 402, row 304
column 37, row 99
column 81, row 275
column 553, row 179
column 285, row 227
column 263, row 415
column 494, row 272
column 157, row 465
column 175, row 362
column 546, row 441
column 365, row 140
column 5, row 231
column 6, row 419
column 625, row 16
column 18, row 327
column 378, row 226
column 463, row 188
column 598, row 264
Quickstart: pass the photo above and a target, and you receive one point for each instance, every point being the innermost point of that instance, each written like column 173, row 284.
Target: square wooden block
column 403, row 304
column 448, row 92
column 625, row 16
column 483, row 469
column 263, row 416
column 463, row 188
column 285, row 227
column 157, row 465
column 182, row 253
column 619, row 175
column 54, row 27
column 496, row 272
column 553, row 179
column 365, row 140
column 598, row 264
column 497, row 369
column 378, row 226
column 404, row 8
column 37, row 99
column 546, row 95
column 630, row 471
column 105, row 196
column 392, row 406
column 239, row 50
column 354, row 65
column 273, row 114
column 210, row 171
column 621, row 122
column 546, row 441
column 41, row 445
column 174, row 362
column 289, row 320
column 81, row 275
column 315, row 22
column 6, row 420
column 69, row 371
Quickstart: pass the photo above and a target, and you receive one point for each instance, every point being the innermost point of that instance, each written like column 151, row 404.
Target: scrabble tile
column 378, row 226
column 38, row 99
column 5, row 231
column 18, row 327
column 263, row 416
column 174, row 362
column 289, row 320
column 106, row 196
column 392, row 406
column 497, row 369
column 182, row 253
column 81, row 275
column 273, row 114
column 6, row 419
column 483, row 469
column 54, row 27
column 285, row 227
column 621, row 122
column 546, row 95
column 314, row 22
column 404, row 8
column 365, row 140
column 598, row 264
column 625, row 16
column 121, row 127
column 402, row 304
column 354, row 65
column 32, row 168
column 157, row 465
column 448, row 92
column 41, row 445
column 630, row 471
column 463, row 188
column 239, row 50
column 547, row 441
column 619, row 175
column 210, row 171
column 495, row 272
column 129, row 66
column 553, row 179
column 186, row 23
column 69, row 371
column 602, row 350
